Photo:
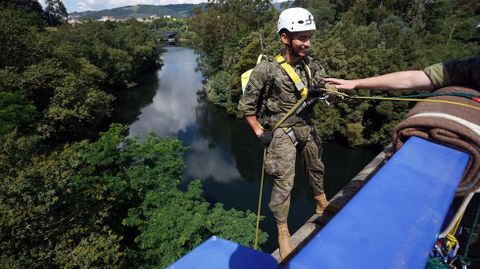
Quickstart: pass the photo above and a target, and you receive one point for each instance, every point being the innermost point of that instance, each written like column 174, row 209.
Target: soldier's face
column 301, row 42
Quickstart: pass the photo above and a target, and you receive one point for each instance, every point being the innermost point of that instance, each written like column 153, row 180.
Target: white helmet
column 296, row 19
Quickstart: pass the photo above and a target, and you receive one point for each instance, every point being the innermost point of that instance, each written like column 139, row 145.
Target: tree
column 55, row 12
column 29, row 6
column 15, row 112
column 18, row 37
column 112, row 203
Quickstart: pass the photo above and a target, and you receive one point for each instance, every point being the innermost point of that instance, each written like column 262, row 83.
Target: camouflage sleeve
column 457, row 72
column 318, row 71
column 437, row 75
column 256, row 84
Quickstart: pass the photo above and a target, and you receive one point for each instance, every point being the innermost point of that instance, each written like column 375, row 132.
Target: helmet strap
column 290, row 46
column 292, row 51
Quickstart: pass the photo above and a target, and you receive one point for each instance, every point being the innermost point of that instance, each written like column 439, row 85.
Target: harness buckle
column 291, row 134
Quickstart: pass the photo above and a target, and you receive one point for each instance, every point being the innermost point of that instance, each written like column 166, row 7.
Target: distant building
column 73, row 19
column 148, row 19
column 107, row 18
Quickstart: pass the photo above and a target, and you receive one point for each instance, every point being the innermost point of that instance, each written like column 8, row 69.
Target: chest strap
column 298, row 84
column 293, row 75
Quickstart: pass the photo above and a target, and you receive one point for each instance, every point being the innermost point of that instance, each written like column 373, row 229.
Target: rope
column 263, row 168
column 290, row 112
column 408, row 98
column 475, row 221
column 415, row 100
column 257, row 227
column 457, row 94
column 451, row 240
column 458, row 215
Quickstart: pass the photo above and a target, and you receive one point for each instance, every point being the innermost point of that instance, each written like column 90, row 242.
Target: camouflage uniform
column 465, row 72
column 271, row 91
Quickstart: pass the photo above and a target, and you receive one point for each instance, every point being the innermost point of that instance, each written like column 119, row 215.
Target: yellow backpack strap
column 245, row 77
column 293, row 75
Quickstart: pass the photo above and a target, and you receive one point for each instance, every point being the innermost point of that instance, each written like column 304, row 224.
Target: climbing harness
column 293, row 75
column 291, row 134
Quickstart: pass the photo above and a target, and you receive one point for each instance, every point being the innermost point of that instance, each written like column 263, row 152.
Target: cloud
column 173, row 107
column 206, row 162
column 84, row 5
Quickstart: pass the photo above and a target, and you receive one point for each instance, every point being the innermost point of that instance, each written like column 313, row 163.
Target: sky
column 84, row 5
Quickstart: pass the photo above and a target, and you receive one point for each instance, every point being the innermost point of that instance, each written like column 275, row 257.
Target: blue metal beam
column 217, row 253
column 394, row 220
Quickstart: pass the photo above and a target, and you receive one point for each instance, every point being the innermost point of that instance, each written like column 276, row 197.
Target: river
column 222, row 150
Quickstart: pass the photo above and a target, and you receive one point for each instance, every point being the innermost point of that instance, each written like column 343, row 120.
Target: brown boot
column 284, row 241
column 322, row 203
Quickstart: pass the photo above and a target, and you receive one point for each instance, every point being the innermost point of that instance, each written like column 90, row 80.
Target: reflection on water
column 223, row 152
column 206, row 162
column 173, row 107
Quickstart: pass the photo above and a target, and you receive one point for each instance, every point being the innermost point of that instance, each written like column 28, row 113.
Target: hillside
column 180, row 10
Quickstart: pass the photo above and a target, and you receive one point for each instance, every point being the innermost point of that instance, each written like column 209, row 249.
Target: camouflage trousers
column 280, row 164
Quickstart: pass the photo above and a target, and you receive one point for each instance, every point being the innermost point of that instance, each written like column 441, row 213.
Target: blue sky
column 83, row 5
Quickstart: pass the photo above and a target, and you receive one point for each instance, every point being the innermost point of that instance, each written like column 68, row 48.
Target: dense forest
column 74, row 191
column 354, row 39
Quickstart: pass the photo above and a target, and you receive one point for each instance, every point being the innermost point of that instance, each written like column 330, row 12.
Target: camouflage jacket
column 270, row 93
column 465, row 72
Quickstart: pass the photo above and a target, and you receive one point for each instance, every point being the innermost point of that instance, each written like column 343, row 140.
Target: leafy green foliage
column 113, row 203
column 226, row 21
column 354, row 39
column 68, row 74
column 82, row 205
column 73, row 108
column 172, row 223
column 15, row 112
column 218, row 88
column 55, row 12
column 18, row 37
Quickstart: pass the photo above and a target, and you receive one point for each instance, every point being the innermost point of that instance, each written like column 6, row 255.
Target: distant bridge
column 168, row 36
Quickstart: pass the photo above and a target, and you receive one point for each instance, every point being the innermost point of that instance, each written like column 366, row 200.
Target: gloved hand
column 332, row 97
column 316, row 90
column 266, row 138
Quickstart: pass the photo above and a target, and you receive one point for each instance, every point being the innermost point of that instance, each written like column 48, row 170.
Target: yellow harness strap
column 293, row 75
column 298, row 84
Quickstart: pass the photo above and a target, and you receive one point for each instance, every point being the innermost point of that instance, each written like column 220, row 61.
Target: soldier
column 463, row 72
column 269, row 95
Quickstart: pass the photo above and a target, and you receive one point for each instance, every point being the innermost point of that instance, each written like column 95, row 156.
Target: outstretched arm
column 414, row 79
